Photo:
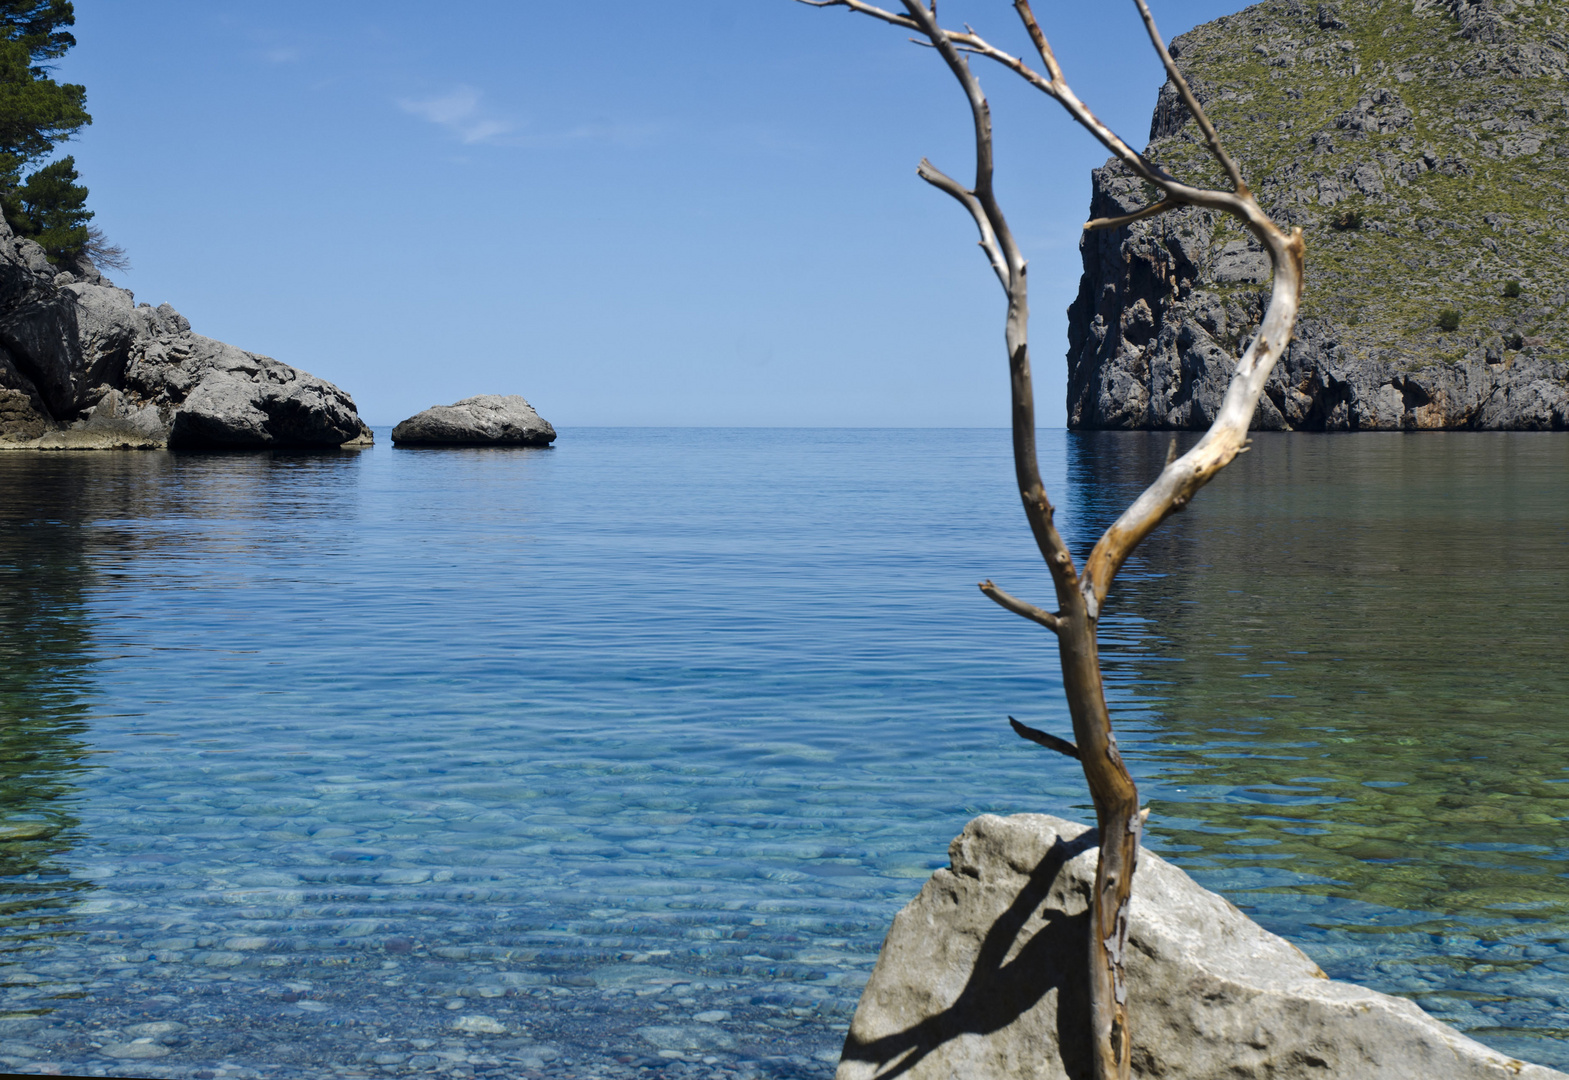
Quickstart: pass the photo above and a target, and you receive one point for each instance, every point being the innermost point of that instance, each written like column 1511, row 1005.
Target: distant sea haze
column 625, row 752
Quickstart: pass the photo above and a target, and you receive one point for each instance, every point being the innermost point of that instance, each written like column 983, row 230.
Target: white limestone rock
column 984, row 975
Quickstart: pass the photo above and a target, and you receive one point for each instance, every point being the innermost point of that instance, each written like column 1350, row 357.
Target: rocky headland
column 1423, row 147
column 83, row 366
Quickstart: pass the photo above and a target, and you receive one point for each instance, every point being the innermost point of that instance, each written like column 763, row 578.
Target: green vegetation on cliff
column 1422, row 145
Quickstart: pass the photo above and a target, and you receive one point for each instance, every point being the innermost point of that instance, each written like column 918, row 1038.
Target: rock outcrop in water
column 83, row 366
column 484, row 420
column 1424, row 150
column 984, row 975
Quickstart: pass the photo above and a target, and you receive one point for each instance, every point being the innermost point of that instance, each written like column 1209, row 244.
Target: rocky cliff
column 83, row 366
column 1423, row 147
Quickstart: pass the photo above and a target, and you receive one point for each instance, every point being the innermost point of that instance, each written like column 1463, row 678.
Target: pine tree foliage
column 36, row 114
column 51, row 208
column 35, row 111
column 36, row 25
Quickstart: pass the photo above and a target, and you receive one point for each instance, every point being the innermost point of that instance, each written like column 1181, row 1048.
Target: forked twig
column 1211, row 139
column 1049, row 741
column 1021, row 607
column 1128, row 219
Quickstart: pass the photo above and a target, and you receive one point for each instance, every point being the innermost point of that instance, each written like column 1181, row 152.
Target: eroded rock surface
column 1424, row 151
column 484, row 420
column 984, row 976
column 83, row 366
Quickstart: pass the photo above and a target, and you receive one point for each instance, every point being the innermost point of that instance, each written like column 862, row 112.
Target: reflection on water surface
column 43, row 682
column 623, row 754
column 1353, row 653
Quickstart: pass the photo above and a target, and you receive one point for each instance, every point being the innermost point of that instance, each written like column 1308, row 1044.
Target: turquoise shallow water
column 622, row 754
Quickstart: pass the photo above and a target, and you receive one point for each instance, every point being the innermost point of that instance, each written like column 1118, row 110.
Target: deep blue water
column 625, row 752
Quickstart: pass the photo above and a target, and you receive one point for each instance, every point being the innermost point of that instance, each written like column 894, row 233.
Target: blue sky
column 694, row 213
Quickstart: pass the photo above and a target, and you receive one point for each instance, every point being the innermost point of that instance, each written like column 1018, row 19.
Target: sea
column 617, row 758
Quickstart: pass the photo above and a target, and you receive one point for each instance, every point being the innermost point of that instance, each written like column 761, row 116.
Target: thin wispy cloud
column 459, row 112
column 282, row 54
column 462, row 112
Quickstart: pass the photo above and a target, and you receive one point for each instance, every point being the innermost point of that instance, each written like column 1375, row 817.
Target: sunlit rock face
column 985, row 975
column 83, row 366
column 1422, row 150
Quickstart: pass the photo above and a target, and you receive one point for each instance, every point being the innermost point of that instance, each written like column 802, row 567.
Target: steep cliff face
column 1423, row 147
column 83, row 366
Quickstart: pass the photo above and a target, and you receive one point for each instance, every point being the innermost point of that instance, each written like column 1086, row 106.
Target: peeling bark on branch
column 1079, row 598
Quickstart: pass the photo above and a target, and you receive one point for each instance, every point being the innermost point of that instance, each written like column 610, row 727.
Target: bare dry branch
column 943, row 182
column 1128, row 219
column 1037, row 508
column 1180, row 480
column 969, row 41
column 980, row 111
column 1076, row 108
column 1042, row 46
column 1054, row 84
column 1021, row 607
column 1049, row 741
column 102, row 253
column 1080, row 598
column 973, row 43
column 1211, row 139
column 864, row 9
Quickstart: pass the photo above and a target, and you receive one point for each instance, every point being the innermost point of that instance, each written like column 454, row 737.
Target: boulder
column 984, row 975
column 485, row 420
column 83, row 366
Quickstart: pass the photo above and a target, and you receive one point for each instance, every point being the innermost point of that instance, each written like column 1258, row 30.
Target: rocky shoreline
column 84, row 367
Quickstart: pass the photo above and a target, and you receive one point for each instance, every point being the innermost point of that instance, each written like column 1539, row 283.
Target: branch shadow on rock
column 1000, row 990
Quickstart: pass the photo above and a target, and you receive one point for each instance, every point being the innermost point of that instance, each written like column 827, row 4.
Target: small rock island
column 483, row 420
